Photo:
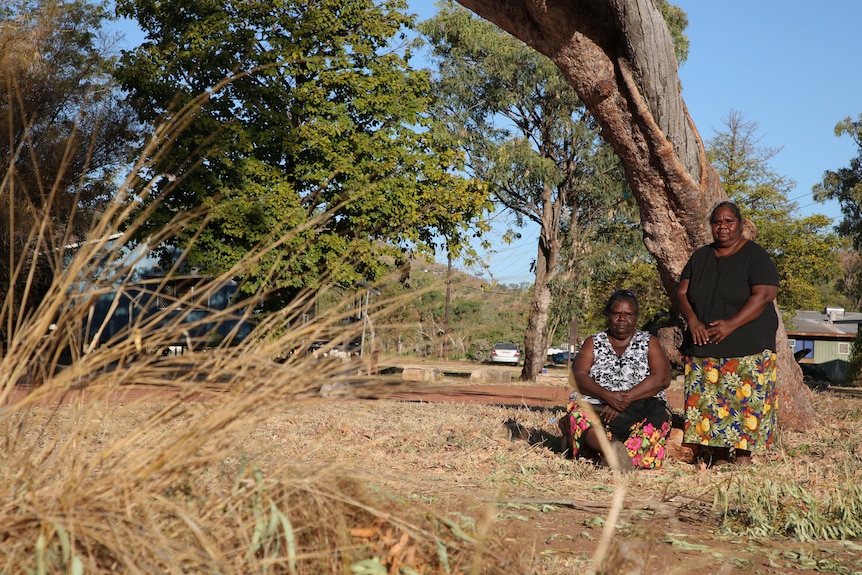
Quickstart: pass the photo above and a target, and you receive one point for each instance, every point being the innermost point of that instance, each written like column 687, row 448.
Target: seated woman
column 622, row 373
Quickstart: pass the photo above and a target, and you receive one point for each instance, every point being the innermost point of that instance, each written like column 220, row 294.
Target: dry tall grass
column 106, row 461
column 109, row 448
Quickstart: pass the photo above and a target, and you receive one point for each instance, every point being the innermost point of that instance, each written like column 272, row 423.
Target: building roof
column 831, row 323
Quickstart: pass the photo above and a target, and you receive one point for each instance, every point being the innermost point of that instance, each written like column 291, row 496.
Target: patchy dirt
column 469, row 456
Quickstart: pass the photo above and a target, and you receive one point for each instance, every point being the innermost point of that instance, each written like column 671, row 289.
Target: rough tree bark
column 619, row 57
column 547, row 255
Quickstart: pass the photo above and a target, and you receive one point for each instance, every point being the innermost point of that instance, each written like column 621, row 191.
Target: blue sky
column 791, row 66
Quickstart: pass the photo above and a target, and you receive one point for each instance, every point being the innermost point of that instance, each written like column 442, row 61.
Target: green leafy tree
column 849, row 283
column 845, row 184
column 312, row 131
column 64, row 131
column 803, row 249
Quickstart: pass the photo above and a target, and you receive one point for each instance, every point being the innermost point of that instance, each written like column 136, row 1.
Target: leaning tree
column 619, row 57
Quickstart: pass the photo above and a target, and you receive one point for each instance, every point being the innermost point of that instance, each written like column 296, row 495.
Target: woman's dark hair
column 625, row 294
column 730, row 206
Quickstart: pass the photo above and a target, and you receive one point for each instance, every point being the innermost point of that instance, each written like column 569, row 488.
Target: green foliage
column 313, row 132
column 849, row 282
column 845, row 184
column 803, row 248
column 480, row 314
column 522, row 124
column 805, row 252
column 760, row 507
column 677, row 22
column 855, row 370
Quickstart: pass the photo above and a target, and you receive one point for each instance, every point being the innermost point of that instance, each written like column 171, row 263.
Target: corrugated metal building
column 828, row 335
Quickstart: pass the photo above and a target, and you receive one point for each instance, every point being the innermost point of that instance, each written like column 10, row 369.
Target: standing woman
column 725, row 294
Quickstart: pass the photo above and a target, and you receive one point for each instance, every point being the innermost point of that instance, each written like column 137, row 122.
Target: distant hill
column 480, row 313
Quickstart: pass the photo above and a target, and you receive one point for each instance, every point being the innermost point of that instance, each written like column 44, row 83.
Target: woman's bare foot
column 742, row 458
column 744, row 461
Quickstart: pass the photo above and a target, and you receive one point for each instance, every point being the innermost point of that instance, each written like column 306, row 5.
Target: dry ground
column 492, row 468
column 468, row 460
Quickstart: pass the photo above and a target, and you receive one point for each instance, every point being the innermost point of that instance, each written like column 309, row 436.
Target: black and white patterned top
column 620, row 372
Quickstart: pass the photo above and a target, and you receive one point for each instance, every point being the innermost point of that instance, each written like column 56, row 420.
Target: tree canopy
column 845, row 184
column 319, row 138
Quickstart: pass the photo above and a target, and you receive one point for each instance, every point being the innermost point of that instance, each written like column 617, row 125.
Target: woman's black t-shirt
column 719, row 287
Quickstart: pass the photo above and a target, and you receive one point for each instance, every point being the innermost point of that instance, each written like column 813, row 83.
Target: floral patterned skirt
column 643, row 429
column 730, row 401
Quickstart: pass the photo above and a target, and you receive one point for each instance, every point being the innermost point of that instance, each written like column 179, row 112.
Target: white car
column 505, row 352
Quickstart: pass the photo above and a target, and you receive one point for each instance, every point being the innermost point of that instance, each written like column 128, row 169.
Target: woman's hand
column 719, row 330
column 608, row 414
column 700, row 333
column 618, row 401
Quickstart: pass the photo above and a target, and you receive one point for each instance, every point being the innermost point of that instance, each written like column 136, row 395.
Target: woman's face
column 726, row 229
column 621, row 319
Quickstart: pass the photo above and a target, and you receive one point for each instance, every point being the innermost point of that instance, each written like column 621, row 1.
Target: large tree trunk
column 619, row 57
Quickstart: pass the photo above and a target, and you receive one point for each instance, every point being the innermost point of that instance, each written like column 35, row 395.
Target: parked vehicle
column 505, row 352
column 814, row 376
column 555, row 349
column 563, row 357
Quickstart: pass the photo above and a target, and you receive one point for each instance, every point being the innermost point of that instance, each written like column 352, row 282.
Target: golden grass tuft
column 106, row 475
column 118, row 457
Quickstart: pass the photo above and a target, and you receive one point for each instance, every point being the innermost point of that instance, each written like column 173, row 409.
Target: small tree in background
column 845, row 184
column 803, row 249
column 65, row 131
